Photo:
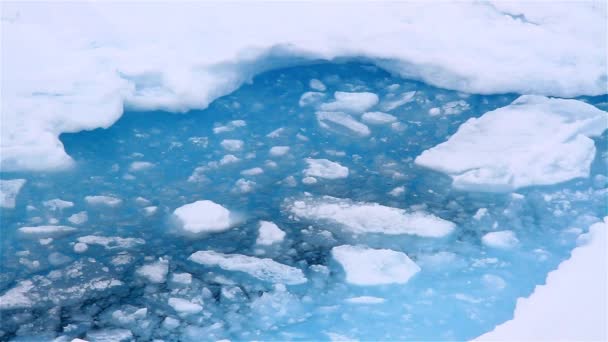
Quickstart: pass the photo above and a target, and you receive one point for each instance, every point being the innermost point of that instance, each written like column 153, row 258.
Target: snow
column 156, row 272
column 330, row 120
column 108, row 201
column 504, row 239
column 100, row 55
column 203, row 217
column 279, row 151
column 111, row 242
column 366, row 266
column 140, row 166
column 47, row 231
column 362, row 217
column 57, row 204
column 9, row 189
column 184, row 306
column 378, row 118
column 533, row 141
column 269, row 233
column 572, row 305
column 232, row 145
column 324, row 168
column 262, row 268
column 350, row 102
column 317, row 85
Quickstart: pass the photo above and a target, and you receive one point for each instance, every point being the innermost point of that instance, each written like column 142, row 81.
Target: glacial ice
column 533, row 141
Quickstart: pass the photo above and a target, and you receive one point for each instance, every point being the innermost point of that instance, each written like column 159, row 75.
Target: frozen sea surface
column 119, row 262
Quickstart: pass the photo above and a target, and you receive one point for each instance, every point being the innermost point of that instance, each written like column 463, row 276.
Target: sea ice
column 278, row 151
column 504, row 239
column 108, row 201
column 533, row 141
column 367, row 266
column 203, row 217
column 362, row 218
column 261, row 268
column 269, row 233
column 140, row 166
column 111, row 242
column 232, row 145
column 184, row 306
column 330, row 120
column 323, row 168
column 155, row 272
column 39, row 232
column 351, row 102
column 365, row 300
column 9, row 189
column 79, row 218
column 378, row 118
column 317, row 85
column 58, row 204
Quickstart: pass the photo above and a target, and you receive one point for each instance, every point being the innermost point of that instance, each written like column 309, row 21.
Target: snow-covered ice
column 367, row 266
column 203, row 217
column 533, row 141
column 39, row 232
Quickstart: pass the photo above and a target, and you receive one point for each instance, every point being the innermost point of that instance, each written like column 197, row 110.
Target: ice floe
column 203, row 217
column 533, row 141
column 111, row 242
column 269, row 233
column 367, row 266
column 324, row 168
column 340, row 121
column 9, row 189
column 155, row 272
column 378, row 118
column 504, row 239
column 350, row 102
column 108, row 201
column 39, row 232
column 362, row 217
column 261, row 268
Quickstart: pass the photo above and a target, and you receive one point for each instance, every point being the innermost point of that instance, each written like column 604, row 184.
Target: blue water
column 447, row 300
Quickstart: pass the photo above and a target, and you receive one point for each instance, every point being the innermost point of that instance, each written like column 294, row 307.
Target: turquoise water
column 463, row 290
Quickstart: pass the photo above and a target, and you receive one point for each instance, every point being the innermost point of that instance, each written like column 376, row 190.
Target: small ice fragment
column 111, row 242
column 351, row 102
column 140, row 166
column 232, row 144
column 481, row 212
column 317, row 85
column 310, row 98
column 38, row 232
column 253, row 171
column 181, row 278
column 378, row 118
column 79, row 218
column 278, row 151
column 203, row 217
column 365, row 300
column 324, row 168
column 309, row 180
column 184, row 306
column 400, row 101
column 57, row 204
column 434, row 111
column 344, row 121
column 398, row 191
column 504, row 239
column 228, row 159
column 151, row 210
column 9, row 189
column 103, row 201
column 156, row 272
column 80, row 247
column 269, row 233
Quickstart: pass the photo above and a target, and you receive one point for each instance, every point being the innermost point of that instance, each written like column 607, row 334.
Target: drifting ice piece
column 203, row 217
column 9, row 189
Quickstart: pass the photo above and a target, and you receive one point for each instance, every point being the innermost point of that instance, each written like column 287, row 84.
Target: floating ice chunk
column 323, row 168
column 39, row 232
column 203, row 217
column 181, row 278
column 365, row 300
column 229, row 159
column 309, row 180
column 140, row 166
column 351, row 102
column 276, row 133
column 170, row 323
column 317, row 85
column 17, row 297
column 80, row 247
column 278, row 151
column 253, row 171
column 362, row 217
column 269, row 233
column 398, row 191
column 9, row 189
column 108, row 201
column 330, row 120
column 263, row 269
column 504, row 239
column 378, row 118
column 151, row 210
column 367, row 266
column 493, row 282
column 231, row 126
column 455, row 107
column 79, row 218
column 572, row 304
column 232, row 145
column 58, row 204
column 156, row 272
column 533, row 141
column 110, row 335
column 389, row 105
column 244, row 186
column 310, row 98
column 111, row 242
column 434, row 111
column 481, row 212
column 184, row 306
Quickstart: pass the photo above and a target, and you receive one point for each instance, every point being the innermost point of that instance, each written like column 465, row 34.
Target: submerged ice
column 306, row 205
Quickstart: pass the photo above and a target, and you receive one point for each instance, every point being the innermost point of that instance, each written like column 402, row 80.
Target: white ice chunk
column 324, row 168
column 232, row 145
column 111, row 242
column 79, row 218
column 455, row 107
column 362, row 217
column 398, row 191
column 504, row 239
column 269, row 233
column 572, row 305
column 533, row 141
column 80, row 247
column 9, row 189
column 278, row 151
column 203, row 217
column 229, row 159
column 244, row 186
column 404, row 98
column 351, row 102
column 110, row 335
column 310, row 98
column 365, row 300
column 378, row 118
column 58, row 204
column 38, row 232
column 480, row 213
column 261, row 268
column 155, row 272
column 309, row 180
column 367, row 266
column 184, row 306
column 182, row 278
column 17, row 297
column 140, row 166
column 255, row 171
column 103, row 201
column 317, row 85
column 330, row 120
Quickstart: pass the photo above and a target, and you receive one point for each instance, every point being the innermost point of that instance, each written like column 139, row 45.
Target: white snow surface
column 533, row 141
column 363, row 217
column 64, row 59
column 203, row 217
column 367, row 266
column 324, row 168
column 9, row 189
column 262, row 268
column 573, row 303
